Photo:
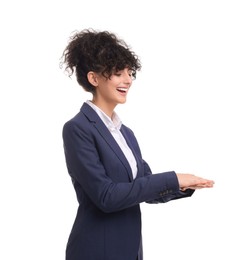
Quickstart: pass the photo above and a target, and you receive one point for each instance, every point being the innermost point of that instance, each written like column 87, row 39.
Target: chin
column 122, row 101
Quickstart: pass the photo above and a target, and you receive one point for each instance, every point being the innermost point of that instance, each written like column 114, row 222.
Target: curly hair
column 100, row 52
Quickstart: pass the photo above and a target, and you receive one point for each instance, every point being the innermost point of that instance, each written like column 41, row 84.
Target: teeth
column 122, row 89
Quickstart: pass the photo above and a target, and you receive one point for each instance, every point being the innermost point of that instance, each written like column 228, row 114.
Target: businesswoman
column 103, row 157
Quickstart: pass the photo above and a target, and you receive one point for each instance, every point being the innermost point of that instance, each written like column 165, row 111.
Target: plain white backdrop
column 184, row 108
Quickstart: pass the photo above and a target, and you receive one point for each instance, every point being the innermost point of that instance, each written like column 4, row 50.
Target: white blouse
column 114, row 126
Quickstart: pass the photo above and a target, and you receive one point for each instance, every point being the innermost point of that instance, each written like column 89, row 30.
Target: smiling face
column 110, row 91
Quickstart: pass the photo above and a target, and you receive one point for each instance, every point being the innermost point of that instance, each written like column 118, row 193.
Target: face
column 113, row 91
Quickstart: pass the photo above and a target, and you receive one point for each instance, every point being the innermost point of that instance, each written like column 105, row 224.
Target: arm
column 188, row 183
column 177, row 194
column 85, row 167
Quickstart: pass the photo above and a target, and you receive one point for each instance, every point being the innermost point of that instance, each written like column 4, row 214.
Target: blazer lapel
column 105, row 133
column 130, row 144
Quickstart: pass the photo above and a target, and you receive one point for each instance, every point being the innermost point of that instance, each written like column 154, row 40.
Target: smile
column 122, row 90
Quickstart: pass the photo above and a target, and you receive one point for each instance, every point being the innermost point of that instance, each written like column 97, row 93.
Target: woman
column 103, row 157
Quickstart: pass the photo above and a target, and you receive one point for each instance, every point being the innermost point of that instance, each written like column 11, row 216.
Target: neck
column 107, row 108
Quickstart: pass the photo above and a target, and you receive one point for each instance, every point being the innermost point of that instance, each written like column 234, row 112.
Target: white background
column 184, row 108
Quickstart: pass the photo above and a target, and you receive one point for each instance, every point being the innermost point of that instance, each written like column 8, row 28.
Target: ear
column 92, row 78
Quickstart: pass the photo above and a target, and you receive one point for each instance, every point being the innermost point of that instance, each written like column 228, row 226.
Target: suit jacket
column 108, row 222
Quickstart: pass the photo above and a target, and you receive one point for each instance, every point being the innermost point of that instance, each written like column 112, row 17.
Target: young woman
column 103, row 157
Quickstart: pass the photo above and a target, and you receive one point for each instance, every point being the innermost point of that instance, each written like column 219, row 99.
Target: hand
column 190, row 181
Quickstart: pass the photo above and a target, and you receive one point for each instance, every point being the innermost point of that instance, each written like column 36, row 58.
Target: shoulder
column 82, row 118
column 78, row 123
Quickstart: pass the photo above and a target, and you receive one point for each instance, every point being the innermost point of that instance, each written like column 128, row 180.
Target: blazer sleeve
column 177, row 194
column 85, row 168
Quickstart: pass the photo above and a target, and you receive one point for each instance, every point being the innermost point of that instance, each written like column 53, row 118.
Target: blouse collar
column 111, row 123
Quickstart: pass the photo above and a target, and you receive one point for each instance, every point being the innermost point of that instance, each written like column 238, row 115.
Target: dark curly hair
column 100, row 52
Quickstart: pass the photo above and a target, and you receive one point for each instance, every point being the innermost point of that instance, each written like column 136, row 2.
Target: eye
column 132, row 74
column 120, row 73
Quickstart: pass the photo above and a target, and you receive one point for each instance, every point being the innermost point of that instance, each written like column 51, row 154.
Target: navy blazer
column 108, row 222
